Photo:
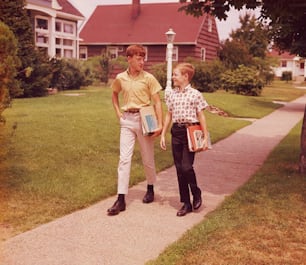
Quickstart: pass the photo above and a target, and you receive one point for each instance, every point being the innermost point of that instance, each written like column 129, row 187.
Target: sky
column 86, row 7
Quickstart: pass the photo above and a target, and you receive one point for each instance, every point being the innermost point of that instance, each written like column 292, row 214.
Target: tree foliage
column 245, row 54
column 247, row 42
column 286, row 19
column 233, row 53
column 67, row 74
column 99, row 67
column 8, row 65
column 207, row 76
column 287, row 24
column 33, row 68
column 253, row 34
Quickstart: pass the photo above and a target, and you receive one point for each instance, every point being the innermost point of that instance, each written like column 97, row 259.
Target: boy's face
column 136, row 62
column 178, row 78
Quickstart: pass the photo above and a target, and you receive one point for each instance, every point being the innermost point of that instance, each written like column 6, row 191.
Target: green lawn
column 60, row 153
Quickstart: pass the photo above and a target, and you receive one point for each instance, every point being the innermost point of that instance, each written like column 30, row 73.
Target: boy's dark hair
column 135, row 50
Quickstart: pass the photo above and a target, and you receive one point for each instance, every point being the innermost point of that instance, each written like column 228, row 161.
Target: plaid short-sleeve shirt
column 184, row 105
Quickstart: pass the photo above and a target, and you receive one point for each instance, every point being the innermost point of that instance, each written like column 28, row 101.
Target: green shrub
column 97, row 69
column 119, row 63
column 38, row 77
column 67, row 74
column 243, row 80
column 160, row 72
column 286, row 76
column 207, row 77
column 268, row 77
column 8, row 67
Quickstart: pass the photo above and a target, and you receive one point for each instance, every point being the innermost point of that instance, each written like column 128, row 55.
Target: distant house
column 289, row 62
column 55, row 25
column 111, row 28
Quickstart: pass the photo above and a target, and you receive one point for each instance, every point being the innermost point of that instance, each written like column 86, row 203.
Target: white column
column 52, row 48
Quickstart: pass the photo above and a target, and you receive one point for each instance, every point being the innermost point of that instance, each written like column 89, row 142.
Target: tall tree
column 246, row 43
column 233, row 53
column 253, row 34
column 8, row 65
column 286, row 19
column 14, row 14
column 287, row 24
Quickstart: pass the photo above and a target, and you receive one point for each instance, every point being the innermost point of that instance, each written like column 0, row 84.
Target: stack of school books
column 148, row 120
column 195, row 137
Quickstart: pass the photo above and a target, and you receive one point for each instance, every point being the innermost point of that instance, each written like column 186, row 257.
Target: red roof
column 113, row 24
column 280, row 55
column 69, row 8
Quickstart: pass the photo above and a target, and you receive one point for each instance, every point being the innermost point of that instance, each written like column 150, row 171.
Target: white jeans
column 130, row 129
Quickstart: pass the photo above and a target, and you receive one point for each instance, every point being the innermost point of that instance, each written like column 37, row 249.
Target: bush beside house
column 9, row 62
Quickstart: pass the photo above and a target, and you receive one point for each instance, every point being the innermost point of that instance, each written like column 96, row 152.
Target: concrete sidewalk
column 142, row 232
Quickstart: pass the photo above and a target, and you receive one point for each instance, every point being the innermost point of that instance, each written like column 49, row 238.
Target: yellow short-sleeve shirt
column 136, row 91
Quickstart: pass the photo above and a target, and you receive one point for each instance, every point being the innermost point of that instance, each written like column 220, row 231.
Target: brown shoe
column 186, row 208
column 116, row 208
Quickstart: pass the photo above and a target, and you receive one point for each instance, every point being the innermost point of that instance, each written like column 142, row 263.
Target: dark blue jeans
column 183, row 161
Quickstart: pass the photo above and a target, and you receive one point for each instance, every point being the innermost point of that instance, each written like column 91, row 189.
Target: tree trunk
column 302, row 165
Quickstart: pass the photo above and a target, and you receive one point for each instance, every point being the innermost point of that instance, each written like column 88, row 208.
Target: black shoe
column 116, row 208
column 197, row 202
column 186, row 208
column 149, row 197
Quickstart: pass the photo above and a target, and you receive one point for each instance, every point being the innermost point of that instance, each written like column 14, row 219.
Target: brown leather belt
column 132, row 110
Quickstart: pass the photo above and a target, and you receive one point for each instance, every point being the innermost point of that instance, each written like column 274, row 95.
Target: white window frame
column 66, row 51
column 42, row 33
column 83, row 50
column 112, row 52
column 71, row 26
column 42, row 18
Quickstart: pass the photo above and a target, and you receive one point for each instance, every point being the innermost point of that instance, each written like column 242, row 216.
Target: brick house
column 111, row 28
column 55, row 25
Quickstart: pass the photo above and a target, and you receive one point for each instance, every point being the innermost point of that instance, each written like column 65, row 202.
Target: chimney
column 135, row 8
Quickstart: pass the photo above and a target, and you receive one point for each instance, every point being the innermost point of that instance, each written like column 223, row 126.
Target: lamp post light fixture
column 170, row 34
